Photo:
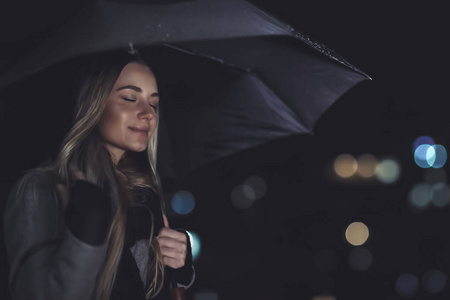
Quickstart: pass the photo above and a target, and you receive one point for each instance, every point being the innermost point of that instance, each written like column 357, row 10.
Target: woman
column 91, row 224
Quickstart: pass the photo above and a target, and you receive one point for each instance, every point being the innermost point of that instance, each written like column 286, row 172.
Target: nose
column 145, row 111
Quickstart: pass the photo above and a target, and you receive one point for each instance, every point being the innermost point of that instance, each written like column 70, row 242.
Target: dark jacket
column 46, row 260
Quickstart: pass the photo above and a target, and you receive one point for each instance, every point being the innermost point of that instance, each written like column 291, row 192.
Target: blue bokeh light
column 440, row 156
column 407, row 285
column 183, row 202
column 421, row 140
column 423, row 155
column 434, row 281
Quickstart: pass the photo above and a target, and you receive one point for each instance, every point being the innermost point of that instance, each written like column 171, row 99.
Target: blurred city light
column 258, row 185
column 206, row 294
column 440, row 156
column 440, row 194
column 195, row 244
column 434, row 281
column 419, row 197
column 242, row 196
column 360, row 259
column 357, row 233
column 407, row 285
column 388, row 171
column 366, row 165
column 326, row 260
column 423, row 140
column 428, row 154
column 324, row 297
column 183, row 202
column 345, row 165
column 423, row 155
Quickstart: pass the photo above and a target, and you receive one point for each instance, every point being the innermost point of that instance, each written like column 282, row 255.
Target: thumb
column 166, row 222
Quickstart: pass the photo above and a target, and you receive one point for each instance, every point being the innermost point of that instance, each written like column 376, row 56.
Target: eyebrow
column 135, row 88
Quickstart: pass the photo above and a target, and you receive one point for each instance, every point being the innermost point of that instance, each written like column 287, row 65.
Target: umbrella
column 230, row 75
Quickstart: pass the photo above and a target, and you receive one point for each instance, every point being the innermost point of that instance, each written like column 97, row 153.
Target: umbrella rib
column 210, row 57
column 292, row 111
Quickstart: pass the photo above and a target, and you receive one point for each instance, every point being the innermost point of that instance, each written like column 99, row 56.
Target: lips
column 141, row 130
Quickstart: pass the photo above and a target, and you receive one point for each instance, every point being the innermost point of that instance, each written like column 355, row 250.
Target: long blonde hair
column 83, row 148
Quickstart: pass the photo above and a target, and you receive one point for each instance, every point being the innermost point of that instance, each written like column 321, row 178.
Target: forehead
column 135, row 73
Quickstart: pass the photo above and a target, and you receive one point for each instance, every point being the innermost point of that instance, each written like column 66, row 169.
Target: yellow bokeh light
column 366, row 165
column 357, row 233
column 345, row 165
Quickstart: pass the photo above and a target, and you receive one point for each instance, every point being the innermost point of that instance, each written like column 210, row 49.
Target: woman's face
column 129, row 118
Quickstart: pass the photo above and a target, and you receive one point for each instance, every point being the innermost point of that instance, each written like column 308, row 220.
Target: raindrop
column 357, row 233
column 406, row 285
column 360, row 259
column 183, row 202
column 345, row 165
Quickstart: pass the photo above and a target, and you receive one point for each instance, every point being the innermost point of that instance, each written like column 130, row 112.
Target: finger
column 173, row 234
column 178, row 246
column 63, row 194
column 76, row 173
column 173, row 263
column 166, row 222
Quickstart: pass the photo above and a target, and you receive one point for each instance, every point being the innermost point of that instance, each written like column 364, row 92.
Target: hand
column 62, row 191
column 173, row 246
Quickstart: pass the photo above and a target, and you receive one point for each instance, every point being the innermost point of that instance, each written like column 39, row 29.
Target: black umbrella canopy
column 231, row 76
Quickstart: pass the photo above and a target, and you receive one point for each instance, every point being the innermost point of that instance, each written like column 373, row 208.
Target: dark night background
column 268, row 250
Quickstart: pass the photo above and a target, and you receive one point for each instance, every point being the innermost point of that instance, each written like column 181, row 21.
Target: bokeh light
column 242, row 196
column 357, row 233
column 407, row 285
column 366, row 165
column 195, row 244
column 360, row 259
column 324, row 297
column 183, row 202
column 423, row 155
column 206, row 294
column 345, row 165
column 258, row 185
column 440, row 158
column 422, row 140
column 427, row 156
column 419, row 197
column 434, row 281
column 326, row 260
column 388, row 170
column 440, row 194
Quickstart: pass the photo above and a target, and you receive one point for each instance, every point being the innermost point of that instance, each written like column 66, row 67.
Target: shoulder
column 34, row 184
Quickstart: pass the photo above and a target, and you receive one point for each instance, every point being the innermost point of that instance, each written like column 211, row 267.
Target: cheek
column 109, row 124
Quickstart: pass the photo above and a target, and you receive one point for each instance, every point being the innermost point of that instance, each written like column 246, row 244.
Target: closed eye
column 129, row 99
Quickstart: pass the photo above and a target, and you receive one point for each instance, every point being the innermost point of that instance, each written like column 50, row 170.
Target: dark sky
column 268, row 250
